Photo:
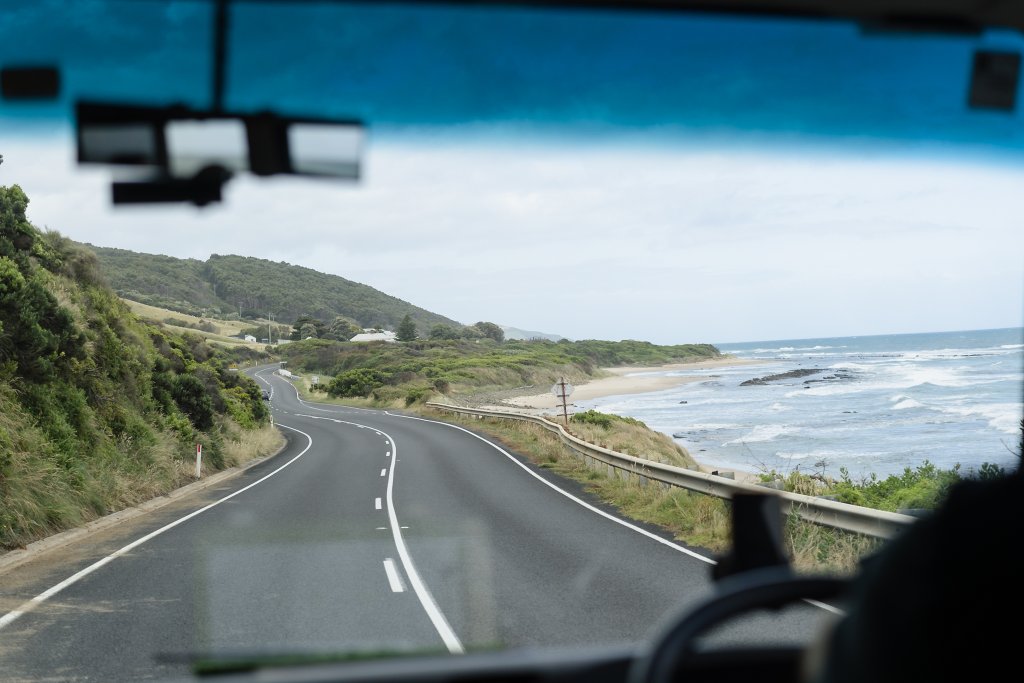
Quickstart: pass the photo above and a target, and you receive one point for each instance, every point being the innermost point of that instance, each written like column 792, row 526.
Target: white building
column 374, row 335
column 249, row 338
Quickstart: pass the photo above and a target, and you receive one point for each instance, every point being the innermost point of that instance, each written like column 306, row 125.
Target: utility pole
column 561, row 390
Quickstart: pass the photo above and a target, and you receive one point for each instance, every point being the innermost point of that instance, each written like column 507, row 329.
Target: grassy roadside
column 42, row 500
column 693, row 518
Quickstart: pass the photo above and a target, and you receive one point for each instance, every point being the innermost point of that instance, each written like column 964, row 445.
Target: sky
column 672, row 178
column 667, row 243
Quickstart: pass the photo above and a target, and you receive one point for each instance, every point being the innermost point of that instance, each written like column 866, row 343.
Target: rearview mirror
column 190, row 150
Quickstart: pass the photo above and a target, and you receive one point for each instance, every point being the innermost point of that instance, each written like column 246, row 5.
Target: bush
column 592, row 417
column 418, row 395
column 603, row 420
column 190, row 395
column 355, row 383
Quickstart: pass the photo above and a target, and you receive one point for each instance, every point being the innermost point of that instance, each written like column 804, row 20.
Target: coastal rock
column 792, row 374
column 839, row 375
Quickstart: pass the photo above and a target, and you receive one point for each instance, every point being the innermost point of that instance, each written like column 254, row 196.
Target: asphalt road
column 371, row 531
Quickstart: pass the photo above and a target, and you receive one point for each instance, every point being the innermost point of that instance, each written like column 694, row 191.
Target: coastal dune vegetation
column 408, row 373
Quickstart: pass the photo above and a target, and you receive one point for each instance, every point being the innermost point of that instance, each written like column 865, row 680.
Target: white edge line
column 78, row 576
column 825, row 606
column 312, row 406
column 394, row 579
column 648, row 534
column 568, row 495
column 434, row 612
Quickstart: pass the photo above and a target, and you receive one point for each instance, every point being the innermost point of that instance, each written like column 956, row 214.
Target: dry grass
column 241, row 446
column 225, row 328
column 816, row 548
column 635, row 440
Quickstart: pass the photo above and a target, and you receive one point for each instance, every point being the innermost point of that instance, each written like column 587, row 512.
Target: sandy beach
column 630, row 380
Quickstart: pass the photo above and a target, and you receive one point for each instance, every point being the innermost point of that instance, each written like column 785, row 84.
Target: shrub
column 593, row 417
column 604, row 420
column 418, row 395
column 190, row 395
column 355, row 383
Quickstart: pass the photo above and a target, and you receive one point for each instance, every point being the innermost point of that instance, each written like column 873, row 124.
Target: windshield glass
column 808, row 234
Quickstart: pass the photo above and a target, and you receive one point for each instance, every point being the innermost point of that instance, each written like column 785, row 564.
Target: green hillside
column 222, row 285
column 98, row 409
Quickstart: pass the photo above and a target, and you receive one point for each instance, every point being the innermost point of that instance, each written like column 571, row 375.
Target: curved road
column 370, row 531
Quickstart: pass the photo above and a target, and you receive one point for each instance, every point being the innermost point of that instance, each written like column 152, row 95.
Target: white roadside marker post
column 199, row 459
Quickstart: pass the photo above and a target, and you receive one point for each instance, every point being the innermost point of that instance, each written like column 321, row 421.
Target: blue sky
column 669, row 178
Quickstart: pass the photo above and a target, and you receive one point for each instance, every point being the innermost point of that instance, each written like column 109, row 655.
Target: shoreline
column 634, row 380
column 629, row 380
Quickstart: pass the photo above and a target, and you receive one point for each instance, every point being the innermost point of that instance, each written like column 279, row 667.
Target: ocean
column 872, row 404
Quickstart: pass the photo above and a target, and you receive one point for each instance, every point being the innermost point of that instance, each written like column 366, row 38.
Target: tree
column 469, row 332
column 317, row 326
column 342, row 329
column 307, row 330
column 491, row 331
column 406, row 329
column 440, row 332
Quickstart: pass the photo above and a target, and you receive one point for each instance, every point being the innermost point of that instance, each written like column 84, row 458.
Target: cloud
column 673, row 243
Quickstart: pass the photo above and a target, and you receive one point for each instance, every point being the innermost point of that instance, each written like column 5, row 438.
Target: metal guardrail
column 854, row 518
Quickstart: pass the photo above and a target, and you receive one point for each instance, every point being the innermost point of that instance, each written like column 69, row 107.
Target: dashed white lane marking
column 393, row 577
column 376, row 504
column 383, row 472
column 437, row 618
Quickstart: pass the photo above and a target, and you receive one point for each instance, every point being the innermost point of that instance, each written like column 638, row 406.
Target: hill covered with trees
column 226, row 285
column 98, row 409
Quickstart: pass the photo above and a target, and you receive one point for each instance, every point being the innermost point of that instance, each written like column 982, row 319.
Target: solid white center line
column 383, row 472
column 376, row 504
column 393, row 577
